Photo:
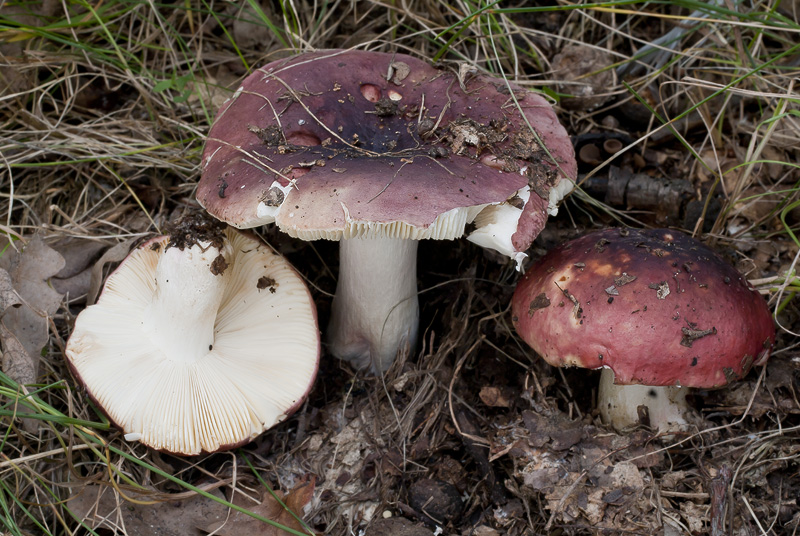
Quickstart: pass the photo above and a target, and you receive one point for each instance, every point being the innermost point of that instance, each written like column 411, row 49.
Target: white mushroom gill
column 187, row 361
column 496, row 224
column 558, row 193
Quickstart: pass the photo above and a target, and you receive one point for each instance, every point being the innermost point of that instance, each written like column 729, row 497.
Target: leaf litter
column 532, row 456
column 24, row 327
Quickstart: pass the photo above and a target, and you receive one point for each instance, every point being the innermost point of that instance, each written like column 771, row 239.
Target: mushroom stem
column 375, row 311
column 180, row 318
column 618, row 404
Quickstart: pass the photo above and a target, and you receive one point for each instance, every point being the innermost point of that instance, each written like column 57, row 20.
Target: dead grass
column 102, row 119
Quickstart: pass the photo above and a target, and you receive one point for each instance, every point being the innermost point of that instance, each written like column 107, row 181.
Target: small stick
column 719, row 499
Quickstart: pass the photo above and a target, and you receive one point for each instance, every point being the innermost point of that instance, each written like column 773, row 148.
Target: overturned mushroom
column 199, row 341
column 655, row 309
column 379, row 151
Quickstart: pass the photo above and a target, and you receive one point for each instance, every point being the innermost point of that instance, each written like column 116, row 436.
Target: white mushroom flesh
column 376, row 311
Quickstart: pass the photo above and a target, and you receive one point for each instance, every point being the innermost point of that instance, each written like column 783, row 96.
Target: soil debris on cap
column 612, row 291
column 219, row 265
column 624, row 279
column 386, row 107
column 273, row 197
column 691, row 334
column 466, row 132
column 194, row 228
column 272, row 135
column 662, row 289
column 601, row 244
column 540, row 302
column 266, row 282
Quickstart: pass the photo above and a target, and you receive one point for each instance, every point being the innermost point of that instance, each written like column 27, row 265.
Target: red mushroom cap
column 655, row 306
column 360, row 150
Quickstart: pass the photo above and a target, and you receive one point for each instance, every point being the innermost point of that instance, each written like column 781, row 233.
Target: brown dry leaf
column 583, row 74
column 79, row 256
column 494, row 397
column 213, row 90
column 400, row 71
column 239, row 523
column 755, row 204
column 15, row 360
column 101, row 507
column 693, row 515
column 8, row 296
column 24, row 328
column 612, row 488
column 249, row 30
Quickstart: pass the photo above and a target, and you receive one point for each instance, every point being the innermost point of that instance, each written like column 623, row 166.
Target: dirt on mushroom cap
column 656, row 306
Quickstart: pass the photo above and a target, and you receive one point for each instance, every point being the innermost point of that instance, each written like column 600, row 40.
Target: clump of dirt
column 467, row 134
column 196, row 227
column 272, row 135
column 386, row 107
column 266, row 282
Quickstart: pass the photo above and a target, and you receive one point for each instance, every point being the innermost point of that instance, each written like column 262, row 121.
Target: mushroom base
column 620, row 404
column 375, row 311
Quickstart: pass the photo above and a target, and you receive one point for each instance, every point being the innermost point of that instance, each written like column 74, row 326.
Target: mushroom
column 655, row 309
column 199, row 342
column 379, row 151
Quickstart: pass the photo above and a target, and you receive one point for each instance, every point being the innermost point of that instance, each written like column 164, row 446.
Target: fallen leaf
column 79, row 255
column 269, row 508
column 29, row 271
column 694, row 515
column 8, row 296
column 17, row 364
column 249, row 29
column 14, row 77
column 101, row 507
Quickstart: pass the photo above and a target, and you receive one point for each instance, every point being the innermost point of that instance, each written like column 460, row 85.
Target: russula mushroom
column 655, row 309
column 379, row 151
column 199, row 341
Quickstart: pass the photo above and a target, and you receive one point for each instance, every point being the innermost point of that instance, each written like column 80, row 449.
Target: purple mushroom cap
column 343, row 148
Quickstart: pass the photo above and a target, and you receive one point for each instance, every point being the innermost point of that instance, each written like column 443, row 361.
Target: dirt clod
column 196, row 227
column 436, row 502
